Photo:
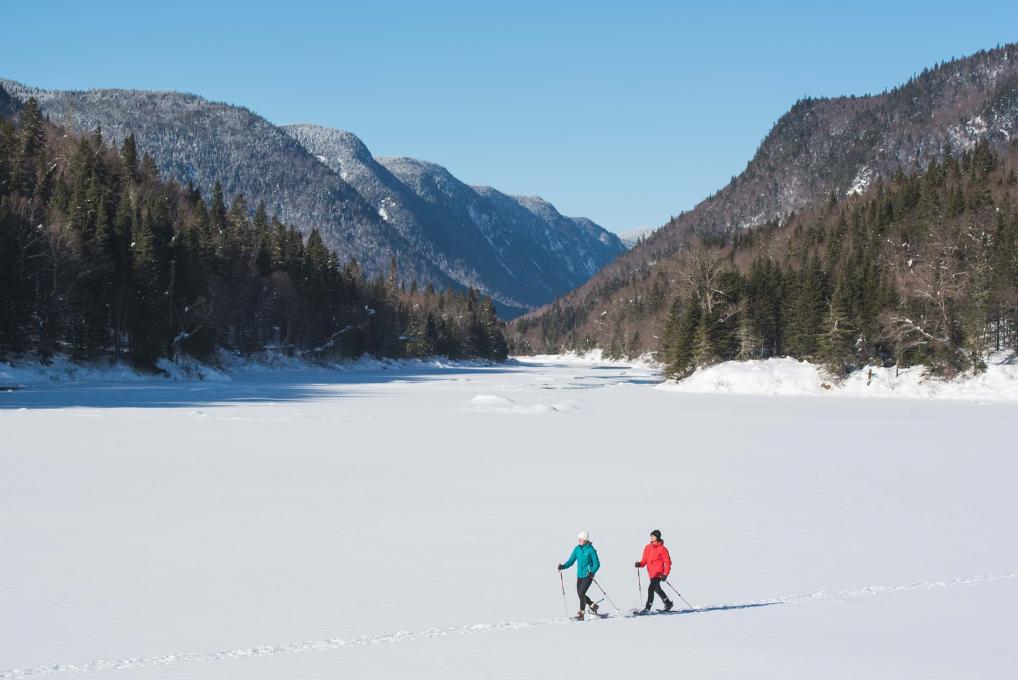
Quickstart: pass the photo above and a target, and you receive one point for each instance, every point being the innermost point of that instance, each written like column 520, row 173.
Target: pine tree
column 706, row 350
column 129, row 158
column 681, row 358
column 670, row 333
column 494, row 343
column 7, row 137
column 30, row 141
column 749, row 342
column 835, row 343
column 217, row 213
column 148, row 312
column 806, row 309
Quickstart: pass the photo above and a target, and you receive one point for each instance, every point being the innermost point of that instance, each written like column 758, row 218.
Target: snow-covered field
column 405, row 521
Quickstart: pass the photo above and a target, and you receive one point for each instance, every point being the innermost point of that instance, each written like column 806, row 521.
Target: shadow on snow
column 719, row 608
column 267, row 387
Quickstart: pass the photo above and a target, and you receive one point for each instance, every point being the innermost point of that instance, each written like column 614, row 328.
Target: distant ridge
column 632, row 237
column 506, row 242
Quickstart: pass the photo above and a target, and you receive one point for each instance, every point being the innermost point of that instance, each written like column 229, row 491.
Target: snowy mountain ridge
column 631, row 237
column 313, row 177
column 490, row 238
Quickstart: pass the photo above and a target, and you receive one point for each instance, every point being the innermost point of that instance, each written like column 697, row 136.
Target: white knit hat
column 583, row 536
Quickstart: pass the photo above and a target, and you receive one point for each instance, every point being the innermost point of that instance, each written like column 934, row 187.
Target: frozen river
column 407, row 523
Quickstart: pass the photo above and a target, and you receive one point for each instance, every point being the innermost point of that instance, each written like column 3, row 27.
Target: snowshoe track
column 427, row 633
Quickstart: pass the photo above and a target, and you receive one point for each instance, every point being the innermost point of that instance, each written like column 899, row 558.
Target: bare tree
column 702, row 271
column 940, row 279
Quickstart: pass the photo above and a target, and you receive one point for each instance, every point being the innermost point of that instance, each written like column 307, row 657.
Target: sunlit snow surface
column 406, row 522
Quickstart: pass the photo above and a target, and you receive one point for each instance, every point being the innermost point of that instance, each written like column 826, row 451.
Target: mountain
column 819, row 152
column 632, row 237
column 478, row 235
column 196, row 141
column 840, row 145
column 521, row 258
column 100, row 258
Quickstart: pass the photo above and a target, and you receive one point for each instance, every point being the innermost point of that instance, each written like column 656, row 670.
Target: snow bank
column 790, row 377
column 597, row 356
column 275, row 361
column 62, row 369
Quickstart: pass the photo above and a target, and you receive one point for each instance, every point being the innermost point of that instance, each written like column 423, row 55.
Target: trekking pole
column 680, row 595
column 565, row 607
column 604, row 593
column 639, row 587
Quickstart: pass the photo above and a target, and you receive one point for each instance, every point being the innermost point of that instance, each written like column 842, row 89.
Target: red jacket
column 656, row 559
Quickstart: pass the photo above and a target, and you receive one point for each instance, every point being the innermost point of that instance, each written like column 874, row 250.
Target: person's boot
column 593, row 607
column 668, row 605
column 646, row 608
column 579, row 615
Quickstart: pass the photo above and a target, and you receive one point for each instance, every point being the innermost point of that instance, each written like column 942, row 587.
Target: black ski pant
column 655, row 587
column 582, row 585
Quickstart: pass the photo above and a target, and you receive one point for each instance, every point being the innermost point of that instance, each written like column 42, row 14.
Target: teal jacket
column 586, row 560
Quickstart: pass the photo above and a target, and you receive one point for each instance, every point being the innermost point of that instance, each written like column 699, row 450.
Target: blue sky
column 625, row 112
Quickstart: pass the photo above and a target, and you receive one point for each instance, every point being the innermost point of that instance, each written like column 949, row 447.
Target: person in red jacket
column 659, row 565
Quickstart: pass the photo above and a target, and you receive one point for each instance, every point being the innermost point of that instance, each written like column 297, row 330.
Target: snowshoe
column 579, row 616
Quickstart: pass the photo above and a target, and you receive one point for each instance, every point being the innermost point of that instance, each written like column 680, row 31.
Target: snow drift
column 790, row 377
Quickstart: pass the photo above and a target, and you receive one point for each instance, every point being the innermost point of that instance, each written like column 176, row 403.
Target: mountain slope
column 369, row 215
column 822, row 149
column 102, row 259
column 197, row 141
column 477, row 234
column 840, row 145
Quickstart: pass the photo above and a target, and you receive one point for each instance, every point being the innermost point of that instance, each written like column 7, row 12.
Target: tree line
column 102, row 258
column 922, row 270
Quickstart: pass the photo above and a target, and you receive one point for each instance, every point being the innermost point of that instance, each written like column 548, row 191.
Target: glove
column 637, row 565
column 560, row 567
column 664, row 577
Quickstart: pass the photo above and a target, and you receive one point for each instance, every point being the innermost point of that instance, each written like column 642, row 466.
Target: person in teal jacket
column 587, row 565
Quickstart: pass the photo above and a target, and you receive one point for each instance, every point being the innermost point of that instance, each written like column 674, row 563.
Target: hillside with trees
column 101, row 258
column 919, row 269
column 441, row 231
column 821, row 159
